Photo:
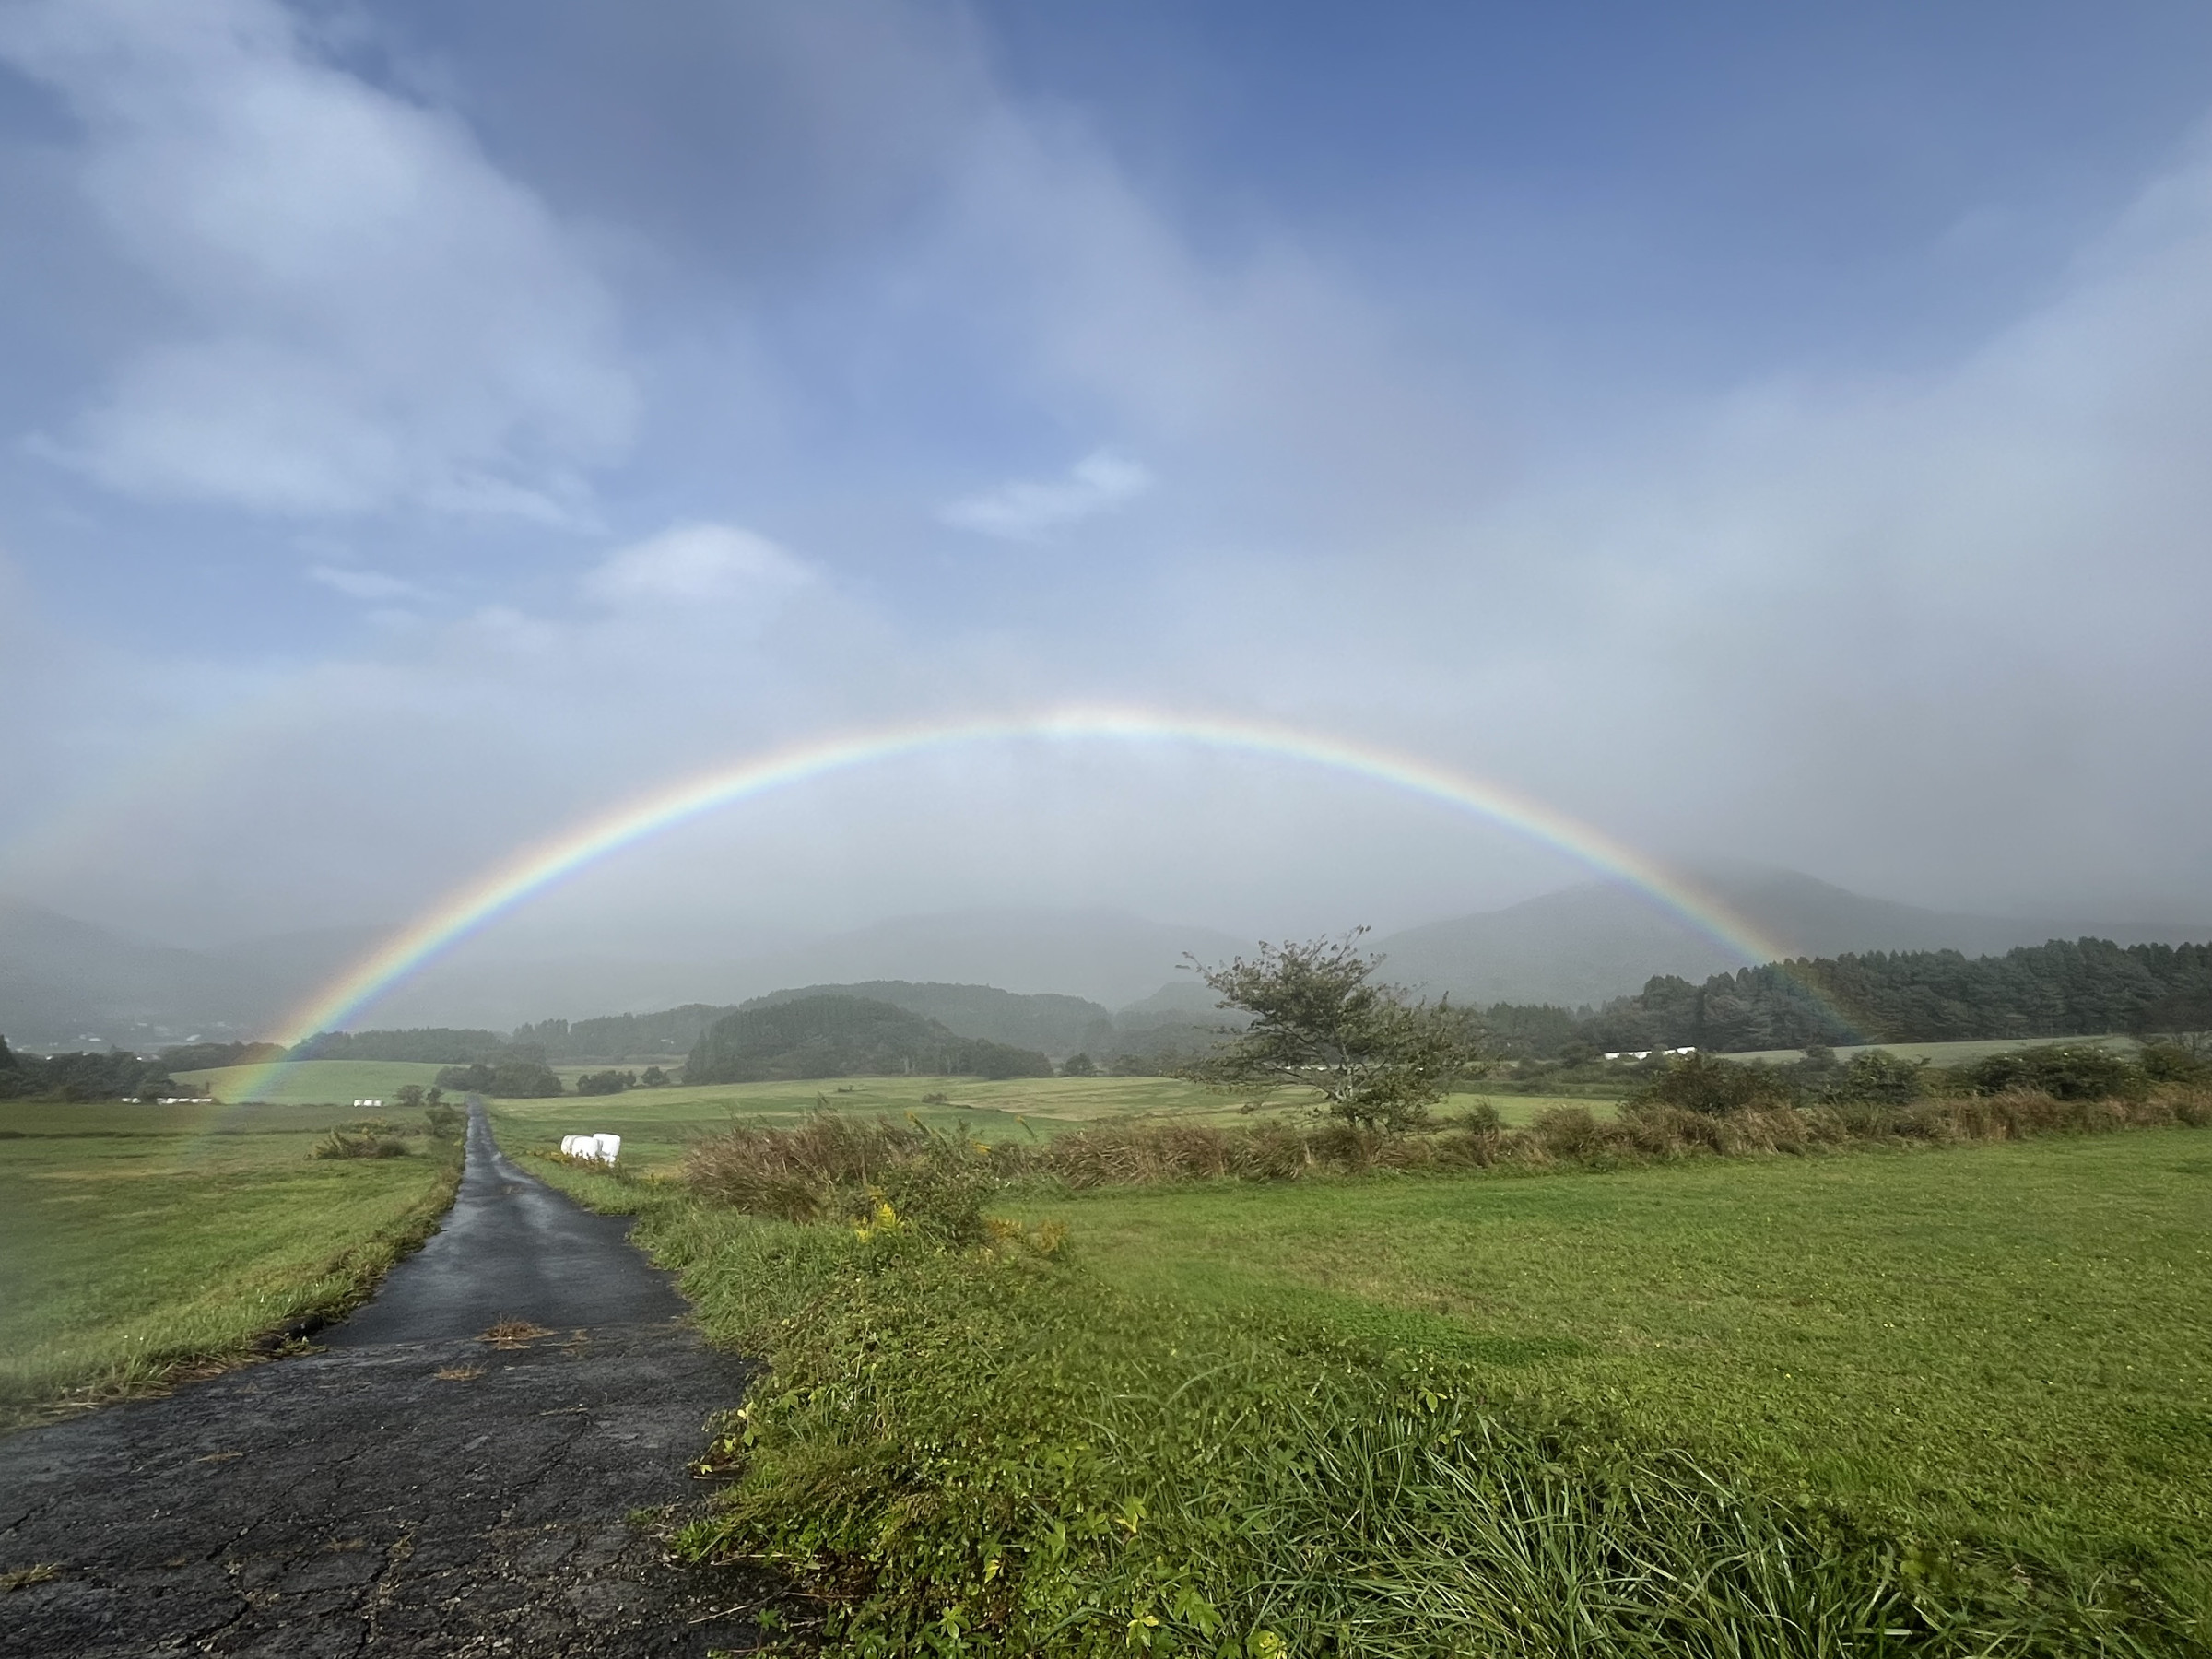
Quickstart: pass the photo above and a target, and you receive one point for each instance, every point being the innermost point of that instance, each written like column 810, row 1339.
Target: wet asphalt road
column 410, row 1488
column 512, row 1248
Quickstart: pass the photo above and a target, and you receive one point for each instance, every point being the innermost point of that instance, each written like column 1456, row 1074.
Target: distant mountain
column 1107, row 957
column 65, row 983
column 1591, row 942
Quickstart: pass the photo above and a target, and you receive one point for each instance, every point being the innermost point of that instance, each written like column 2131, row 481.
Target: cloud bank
column 369, row 313
column 1930, row 629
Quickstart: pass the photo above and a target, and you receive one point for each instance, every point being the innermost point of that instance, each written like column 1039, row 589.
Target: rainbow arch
column 533, row 868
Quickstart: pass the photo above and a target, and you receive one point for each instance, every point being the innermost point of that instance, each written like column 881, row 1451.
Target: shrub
column 605, row 1082
column 1700, row 1082
column 1875, row 1077
column 372, row 1138
column 833, row 1168
column 1481, row 1118
column 2174, row 1062
column 2066, row 1071
column 1569, row 1132
column 507, row 1080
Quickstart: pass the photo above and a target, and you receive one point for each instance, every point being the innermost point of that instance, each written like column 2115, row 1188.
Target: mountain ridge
column 64, row 982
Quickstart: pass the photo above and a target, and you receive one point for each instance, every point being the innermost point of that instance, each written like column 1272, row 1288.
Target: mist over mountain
column 1104, row 956
column 1035, row 979
column 1587, row 943
column 69, row 983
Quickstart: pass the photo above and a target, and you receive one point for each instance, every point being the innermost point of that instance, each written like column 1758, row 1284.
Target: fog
column 428, row 432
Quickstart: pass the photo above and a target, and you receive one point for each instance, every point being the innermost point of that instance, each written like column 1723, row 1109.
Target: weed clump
column 371, row 1137
column 512, row 1333
column 834, row 1168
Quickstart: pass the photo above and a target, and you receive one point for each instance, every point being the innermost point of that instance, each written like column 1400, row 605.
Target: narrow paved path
column 512, row 1248
column 410, row 1489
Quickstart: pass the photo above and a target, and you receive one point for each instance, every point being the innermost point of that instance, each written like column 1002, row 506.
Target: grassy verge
column 139, row 1241
column 1886, row 1402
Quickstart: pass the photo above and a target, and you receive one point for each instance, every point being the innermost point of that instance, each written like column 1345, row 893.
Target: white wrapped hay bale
column 606, row 1148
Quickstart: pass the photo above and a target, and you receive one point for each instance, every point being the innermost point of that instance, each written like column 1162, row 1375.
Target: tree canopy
column 1320, row 1020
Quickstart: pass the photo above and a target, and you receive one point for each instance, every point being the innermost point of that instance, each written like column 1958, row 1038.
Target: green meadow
column 139, row 1240
column 314, row 1082
column 2011, row 1342
column 1947, row 1400
column 657, row 1124
column 1953, row 1401
column 1947, row 1053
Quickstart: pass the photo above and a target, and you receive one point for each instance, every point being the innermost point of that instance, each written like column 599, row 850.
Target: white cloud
column 1026, row 510
column 364, row 585
column 691, row 564
column 374, row 314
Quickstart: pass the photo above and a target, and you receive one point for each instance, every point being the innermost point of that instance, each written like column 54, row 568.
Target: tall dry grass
column 832, row 1168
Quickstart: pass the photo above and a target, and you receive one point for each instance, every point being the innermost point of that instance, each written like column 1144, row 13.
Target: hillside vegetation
column 842, row 1037
column 2061, row 989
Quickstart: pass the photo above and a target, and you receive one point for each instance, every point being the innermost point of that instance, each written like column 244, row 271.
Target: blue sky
column 1771, row 433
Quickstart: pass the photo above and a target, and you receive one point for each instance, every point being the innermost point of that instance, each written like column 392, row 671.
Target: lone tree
column 1320, row 1021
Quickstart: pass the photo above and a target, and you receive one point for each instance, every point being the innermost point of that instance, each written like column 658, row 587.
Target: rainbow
column 539, row 865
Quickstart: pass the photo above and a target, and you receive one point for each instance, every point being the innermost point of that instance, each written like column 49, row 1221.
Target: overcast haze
column 1770, row 434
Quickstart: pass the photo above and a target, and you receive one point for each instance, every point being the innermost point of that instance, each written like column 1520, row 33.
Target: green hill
column 846, row 1037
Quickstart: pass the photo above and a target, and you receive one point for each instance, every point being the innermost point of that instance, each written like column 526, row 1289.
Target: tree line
column 2066, row 988
column 115, row 1075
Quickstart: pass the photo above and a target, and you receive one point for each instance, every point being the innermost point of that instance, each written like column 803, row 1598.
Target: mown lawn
column 137, row 1239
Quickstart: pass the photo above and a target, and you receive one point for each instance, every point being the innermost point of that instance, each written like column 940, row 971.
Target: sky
column 1779, row 434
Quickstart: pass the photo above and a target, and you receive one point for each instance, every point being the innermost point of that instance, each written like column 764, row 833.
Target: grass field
column 656, row 1125
column 1776, row 1406
column 314, row 1082
column 134, row 1240
column 1946, row 1053
column 2011, row 1341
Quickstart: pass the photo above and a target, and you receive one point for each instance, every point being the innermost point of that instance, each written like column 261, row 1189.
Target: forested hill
column 622, row 1036
column 846, row 1037
column 1058, row 1025
column 2063, row 989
